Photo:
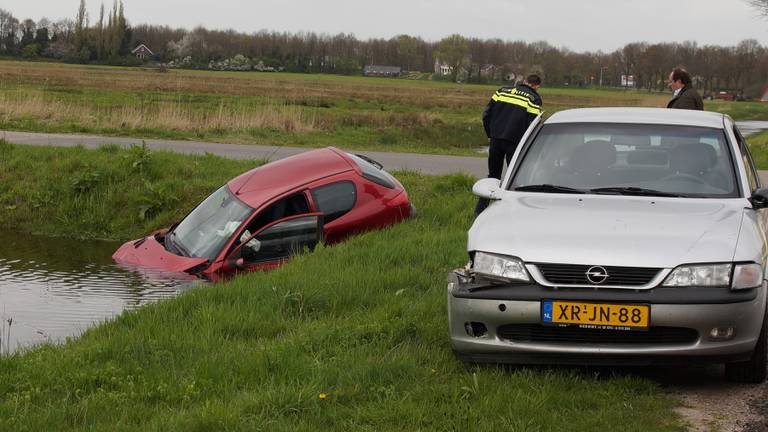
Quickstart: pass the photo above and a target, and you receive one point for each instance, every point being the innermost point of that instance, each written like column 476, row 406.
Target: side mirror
column 489, row 188
column 759, row 199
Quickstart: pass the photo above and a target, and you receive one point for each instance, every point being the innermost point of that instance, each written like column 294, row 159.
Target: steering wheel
column 685, row 176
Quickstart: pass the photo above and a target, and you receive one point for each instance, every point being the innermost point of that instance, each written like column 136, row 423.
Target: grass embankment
column 350, row 337
column 758, row 146
column 109, row 193
column 275, row 108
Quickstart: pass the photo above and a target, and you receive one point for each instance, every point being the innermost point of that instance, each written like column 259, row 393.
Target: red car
column 262, row 217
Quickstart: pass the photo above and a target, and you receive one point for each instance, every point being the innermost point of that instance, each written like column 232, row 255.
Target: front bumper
column 505, row 308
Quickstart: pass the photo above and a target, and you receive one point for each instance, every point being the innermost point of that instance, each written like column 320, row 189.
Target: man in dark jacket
column 686, row 97
column 505, row 119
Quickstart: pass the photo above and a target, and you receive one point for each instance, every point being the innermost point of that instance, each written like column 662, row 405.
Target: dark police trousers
column 499, row 151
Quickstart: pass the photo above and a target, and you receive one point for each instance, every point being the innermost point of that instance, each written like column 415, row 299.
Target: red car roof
column 276, row 178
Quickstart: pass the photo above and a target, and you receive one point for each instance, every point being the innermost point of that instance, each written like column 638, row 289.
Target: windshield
column 628, row 159
column 204, row 232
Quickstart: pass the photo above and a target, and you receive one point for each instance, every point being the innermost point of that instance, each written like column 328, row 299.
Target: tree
column 81, row 26
column 407, row 48
column 28, row 28
column 452, row 51
column 760, row 5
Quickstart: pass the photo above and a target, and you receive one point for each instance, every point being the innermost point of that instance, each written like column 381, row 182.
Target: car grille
column 571, row 274
column 577, row 335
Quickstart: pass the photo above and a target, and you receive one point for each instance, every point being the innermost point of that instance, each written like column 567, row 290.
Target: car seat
column 692, row 158
column 591, row 162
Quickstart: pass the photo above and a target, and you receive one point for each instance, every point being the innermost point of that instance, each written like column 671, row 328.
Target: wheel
column 753, row 370
column 684, row 176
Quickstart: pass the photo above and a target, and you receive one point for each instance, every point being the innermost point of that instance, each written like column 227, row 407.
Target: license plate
column 596, row 315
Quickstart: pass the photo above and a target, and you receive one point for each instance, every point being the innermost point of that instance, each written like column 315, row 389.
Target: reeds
column 227, row 116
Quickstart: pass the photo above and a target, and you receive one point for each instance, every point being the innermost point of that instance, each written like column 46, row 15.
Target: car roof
column 639, row 116
column 260, row 184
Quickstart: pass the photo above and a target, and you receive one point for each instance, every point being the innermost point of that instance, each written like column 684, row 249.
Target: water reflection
column 51, row 288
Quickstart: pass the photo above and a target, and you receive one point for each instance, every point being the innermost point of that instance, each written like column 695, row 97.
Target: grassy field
column 275, row 108
column 350, row 337
column 758, row 146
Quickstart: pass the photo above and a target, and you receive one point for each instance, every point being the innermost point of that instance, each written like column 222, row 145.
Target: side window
column 335, row 200
column 752, row 178
column 293, row 205
column 282, row 240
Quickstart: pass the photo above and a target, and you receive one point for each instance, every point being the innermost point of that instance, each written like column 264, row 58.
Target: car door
column 295, row 204
column 276, row 242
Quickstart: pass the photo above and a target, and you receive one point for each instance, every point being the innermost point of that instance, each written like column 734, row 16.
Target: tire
column 752, row 371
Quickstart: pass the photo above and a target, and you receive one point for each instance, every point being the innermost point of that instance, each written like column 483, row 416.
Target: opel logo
column 596, row 275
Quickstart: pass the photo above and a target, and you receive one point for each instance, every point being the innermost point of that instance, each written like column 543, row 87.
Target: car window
column 293, row 205
column 680, row 160
column 373, row 173
column 282, row 240
column 335, row 200
column 209, row 226
column 752, row 178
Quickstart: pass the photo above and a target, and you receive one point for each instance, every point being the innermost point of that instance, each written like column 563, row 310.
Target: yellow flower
column 322, row 396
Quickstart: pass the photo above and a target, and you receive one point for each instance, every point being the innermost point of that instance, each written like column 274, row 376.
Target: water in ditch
column 54, row 288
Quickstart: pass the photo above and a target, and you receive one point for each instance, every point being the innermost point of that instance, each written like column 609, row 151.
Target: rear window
column 373, row 173
column 681, row 160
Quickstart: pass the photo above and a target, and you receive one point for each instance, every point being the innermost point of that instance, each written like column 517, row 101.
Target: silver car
column 619, row 236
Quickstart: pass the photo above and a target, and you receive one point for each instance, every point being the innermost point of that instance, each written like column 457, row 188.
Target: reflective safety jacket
column 510, row 112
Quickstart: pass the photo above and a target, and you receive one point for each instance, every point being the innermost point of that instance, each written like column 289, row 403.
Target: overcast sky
column 587, row 25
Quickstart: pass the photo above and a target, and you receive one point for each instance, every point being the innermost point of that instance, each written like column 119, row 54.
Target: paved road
column 427, row 164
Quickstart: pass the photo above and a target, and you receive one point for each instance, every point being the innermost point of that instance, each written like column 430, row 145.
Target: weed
column 139, row 157
column 85, row 181
column 155, row 199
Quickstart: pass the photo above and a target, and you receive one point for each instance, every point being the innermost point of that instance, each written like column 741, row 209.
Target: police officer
column 505, row 119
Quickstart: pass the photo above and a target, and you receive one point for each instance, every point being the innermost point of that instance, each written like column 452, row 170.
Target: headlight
column 715, row 275
column 747, row 276
column 500, row 267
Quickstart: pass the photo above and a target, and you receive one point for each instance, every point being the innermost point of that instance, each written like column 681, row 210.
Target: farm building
column 382, row 71
column 142, row 52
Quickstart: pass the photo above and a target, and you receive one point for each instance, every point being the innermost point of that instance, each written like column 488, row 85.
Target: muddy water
column 53, row 288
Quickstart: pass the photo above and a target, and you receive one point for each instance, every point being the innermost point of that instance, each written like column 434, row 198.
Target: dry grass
column 170, row 115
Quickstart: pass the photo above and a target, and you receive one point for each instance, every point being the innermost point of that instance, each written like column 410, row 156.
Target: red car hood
column 148, row 252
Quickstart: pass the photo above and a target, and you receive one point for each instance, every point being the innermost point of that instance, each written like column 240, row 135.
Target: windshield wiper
column 629, row 190
column 549, row 188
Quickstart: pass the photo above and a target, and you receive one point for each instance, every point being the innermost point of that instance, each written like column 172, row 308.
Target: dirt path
column 710, row 403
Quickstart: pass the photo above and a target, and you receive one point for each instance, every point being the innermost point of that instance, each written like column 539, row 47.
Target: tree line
column 742, row 68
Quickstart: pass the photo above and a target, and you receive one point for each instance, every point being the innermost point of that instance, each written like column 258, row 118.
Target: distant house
column 142, row 52
column 382, row 71
column 442, row 68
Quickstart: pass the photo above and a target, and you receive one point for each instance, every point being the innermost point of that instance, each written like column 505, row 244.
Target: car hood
column 148, row 252
column 609, row 229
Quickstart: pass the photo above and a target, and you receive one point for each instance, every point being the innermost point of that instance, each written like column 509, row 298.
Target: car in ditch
column 261, row 218
column 630, row 236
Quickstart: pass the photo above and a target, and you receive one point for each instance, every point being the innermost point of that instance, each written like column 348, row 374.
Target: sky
column 586, row 25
